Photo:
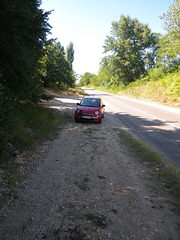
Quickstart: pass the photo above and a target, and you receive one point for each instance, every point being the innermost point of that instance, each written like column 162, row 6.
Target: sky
column 86, row 23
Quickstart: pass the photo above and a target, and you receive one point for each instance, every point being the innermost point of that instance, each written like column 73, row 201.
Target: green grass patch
column 26, row 125
column 164, row 89
column 164, row 170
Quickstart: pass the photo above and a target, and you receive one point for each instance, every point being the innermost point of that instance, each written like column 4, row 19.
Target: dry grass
column 154, row 92
column 69, row 92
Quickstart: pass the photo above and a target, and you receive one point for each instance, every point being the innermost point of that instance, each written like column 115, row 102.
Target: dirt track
column 87, row 185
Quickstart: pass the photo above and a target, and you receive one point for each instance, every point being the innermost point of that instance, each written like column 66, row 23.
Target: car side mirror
column 103, row 105
column 78, row 104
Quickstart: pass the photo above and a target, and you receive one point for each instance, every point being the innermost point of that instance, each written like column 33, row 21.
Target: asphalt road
column 157, row 125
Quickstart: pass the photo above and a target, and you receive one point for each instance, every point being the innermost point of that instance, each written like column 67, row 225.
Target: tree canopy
column 169, row 53
column 70, row 53
column 57, row 70
column 23, row 28
column 128, row 44
column 87, row 78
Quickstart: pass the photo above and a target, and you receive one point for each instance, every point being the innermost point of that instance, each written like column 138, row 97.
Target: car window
column 90, row 102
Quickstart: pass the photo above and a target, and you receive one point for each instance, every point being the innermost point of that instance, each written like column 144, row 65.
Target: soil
column 85, row 184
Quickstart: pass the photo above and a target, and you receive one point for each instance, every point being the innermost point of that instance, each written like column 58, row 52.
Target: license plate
column 86, row 117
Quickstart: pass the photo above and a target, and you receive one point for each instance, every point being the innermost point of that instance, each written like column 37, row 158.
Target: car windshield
column 90, row 102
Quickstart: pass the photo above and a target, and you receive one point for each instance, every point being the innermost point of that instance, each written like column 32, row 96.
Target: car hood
column 88, row 109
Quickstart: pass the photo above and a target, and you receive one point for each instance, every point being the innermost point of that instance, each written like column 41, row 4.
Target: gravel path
column 86, row 185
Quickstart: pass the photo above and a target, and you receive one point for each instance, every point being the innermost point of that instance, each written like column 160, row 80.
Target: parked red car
column 90, row 109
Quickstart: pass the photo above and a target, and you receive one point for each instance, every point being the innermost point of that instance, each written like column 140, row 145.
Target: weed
column 99, row 221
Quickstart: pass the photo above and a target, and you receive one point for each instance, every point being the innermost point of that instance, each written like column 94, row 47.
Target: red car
column 90, row 109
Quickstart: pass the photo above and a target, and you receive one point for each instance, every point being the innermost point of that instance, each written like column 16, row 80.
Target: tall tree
column 57, row 70
column 128, row 45
column 23, row 28
column 70, row 53
column 170, row 44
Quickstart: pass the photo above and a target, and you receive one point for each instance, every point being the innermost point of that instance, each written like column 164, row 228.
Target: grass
column 69, row 92
column 164, row 89
column 156, row 86
column 24, row 125
column 28, row 125
column 164, row 170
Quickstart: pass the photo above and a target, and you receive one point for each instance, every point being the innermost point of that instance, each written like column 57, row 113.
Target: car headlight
column 96, row 112
column 78, row 111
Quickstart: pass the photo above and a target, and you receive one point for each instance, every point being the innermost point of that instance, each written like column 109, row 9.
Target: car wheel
column 99, row 121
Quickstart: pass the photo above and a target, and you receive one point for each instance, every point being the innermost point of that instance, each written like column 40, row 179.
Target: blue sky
column 86, row 23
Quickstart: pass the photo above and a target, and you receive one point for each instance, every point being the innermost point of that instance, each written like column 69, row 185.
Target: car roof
column 93, row 97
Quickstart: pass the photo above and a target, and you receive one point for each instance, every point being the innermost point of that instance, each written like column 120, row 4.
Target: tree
column 87, row 78
column 170, row 44
column 23, row 28
column 128, row 45
column 57, row 70
column 70, row 59
column 70, row 54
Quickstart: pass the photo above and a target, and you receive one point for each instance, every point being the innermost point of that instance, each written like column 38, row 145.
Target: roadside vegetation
column 25, row 126
column 156, row 86
column 29, row 63
column 166, row 172
column 164, row 89
column 29, row 124
column 141, row 63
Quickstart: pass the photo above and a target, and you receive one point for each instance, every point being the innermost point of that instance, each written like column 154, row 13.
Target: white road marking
column 151, row 104
column 153, row 116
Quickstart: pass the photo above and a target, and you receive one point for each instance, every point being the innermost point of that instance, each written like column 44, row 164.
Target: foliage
column 141, row 63
column 157, row 86
column 27, row 61
column 70, row 53
column 132, row 46
column 23, row 33
column 57, row 70
column 171, row 18
column 87, row 78
column 169, row 53
column 23, row 28
column 162, row 83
